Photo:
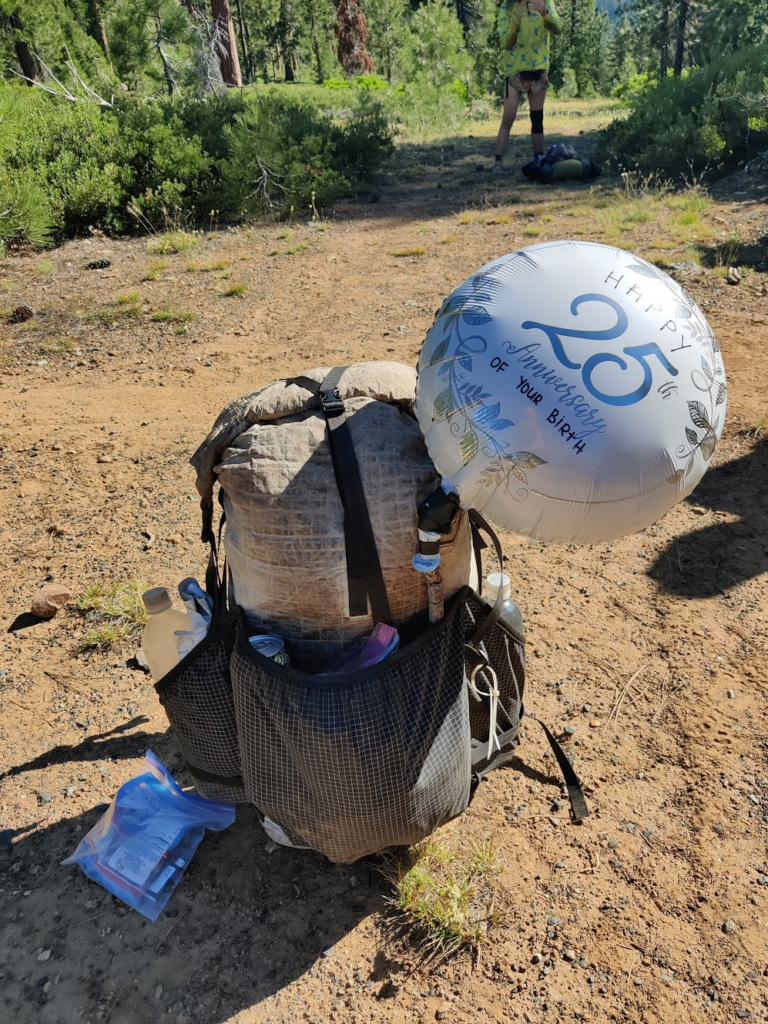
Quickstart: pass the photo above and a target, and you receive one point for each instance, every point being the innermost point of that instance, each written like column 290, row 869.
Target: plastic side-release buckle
column 331, row 401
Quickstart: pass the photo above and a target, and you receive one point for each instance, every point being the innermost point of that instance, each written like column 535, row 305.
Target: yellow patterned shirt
column 527, row 39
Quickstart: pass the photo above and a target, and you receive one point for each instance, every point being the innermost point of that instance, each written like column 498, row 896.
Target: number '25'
column 639, row 353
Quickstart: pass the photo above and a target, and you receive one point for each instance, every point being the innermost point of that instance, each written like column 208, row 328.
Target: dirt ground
column 653, row 648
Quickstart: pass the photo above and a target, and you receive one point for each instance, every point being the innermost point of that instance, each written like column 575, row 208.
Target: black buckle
column 331, row 400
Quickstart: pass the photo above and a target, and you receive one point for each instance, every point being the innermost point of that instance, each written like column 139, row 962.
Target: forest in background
column 121, row 114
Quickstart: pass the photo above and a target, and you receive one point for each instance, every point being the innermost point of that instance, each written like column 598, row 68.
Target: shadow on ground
column 242, row 924
column 445, row 175
column 753, row 254
column 720, row 555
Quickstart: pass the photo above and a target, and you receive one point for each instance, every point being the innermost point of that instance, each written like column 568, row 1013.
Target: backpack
column 352, row 763
column 561, row 163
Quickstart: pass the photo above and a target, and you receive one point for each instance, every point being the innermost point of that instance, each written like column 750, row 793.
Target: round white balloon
column 571, row 391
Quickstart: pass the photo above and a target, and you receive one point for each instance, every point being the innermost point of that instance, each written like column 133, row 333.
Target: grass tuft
column 236, row 289
column 449, row 896
column 418, row 251
column 171, row 242
column 58, row 345
column 116, row 609
column 172, row 316
column 210, row 267
column 128, row 298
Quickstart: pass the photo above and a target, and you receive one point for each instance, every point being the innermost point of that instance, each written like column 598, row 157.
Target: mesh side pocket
column 351, row 765
column 505, row 652
column 197, row 697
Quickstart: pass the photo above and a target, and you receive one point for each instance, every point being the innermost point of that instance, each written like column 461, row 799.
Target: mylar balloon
column 571, row 391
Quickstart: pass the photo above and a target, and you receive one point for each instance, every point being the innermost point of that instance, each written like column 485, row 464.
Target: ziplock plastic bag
column 140, row 847
column 382, row 642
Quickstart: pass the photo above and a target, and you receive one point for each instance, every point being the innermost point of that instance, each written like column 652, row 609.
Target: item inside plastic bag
column 141, row 846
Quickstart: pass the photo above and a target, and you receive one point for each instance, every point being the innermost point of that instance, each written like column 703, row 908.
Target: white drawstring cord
column 493, row 696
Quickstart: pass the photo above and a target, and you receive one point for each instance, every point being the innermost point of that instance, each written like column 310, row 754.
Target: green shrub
column 701, row 121
column 285, row 153
column 153, row 163
column 25, row 214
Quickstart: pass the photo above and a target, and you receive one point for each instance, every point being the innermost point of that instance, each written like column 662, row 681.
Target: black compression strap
column 365, row 580
column 494, row 614
column 579, row 807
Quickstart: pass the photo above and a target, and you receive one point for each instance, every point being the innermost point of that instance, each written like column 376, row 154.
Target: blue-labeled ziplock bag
column 141, row 845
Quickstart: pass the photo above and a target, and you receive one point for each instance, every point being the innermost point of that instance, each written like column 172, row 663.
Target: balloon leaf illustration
column 705, row 367
column 465, row 361
column 721, row 393
column 439, row 352
column 443, row 404
column 475, row 315
column 487, row 413
column 692, row 436
column 683, row 312
column 708, row 445
column 525, row 460
column 500, row 424
column 468, row 446
column 643, row 269
column 698, row 415
column 676, row 477
column 689, row 465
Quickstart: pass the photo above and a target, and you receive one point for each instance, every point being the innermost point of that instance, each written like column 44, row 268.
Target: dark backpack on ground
column 561, row 163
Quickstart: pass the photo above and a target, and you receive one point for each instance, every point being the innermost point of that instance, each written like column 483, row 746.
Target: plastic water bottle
column 158, row 641
column 510, row 613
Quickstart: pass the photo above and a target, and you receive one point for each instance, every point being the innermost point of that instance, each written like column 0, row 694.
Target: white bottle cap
column 496, row 580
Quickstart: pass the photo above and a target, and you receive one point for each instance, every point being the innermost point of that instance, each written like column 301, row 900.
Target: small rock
column 141, row 660
column 595, row 724
column 158, row 993
column 44, row 955
column 175, row 538
column 729, row 927
column 44, row 798
column 743, row 1014
column 731, row 695
column 734, row 275
column 569, row 955
column 102, row 459
column 569, row 730
column 183, row 1018
column 49, row 599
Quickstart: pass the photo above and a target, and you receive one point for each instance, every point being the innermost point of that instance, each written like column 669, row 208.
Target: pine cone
column 20, row 314
column 98, row 265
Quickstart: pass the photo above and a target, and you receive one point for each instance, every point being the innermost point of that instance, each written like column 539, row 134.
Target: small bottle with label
column 510, row 613
column 158, row 641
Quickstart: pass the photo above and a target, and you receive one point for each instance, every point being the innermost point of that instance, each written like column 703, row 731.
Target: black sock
column 499, row 158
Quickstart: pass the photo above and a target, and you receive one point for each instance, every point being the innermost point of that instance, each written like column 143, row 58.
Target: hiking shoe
column 498, row 169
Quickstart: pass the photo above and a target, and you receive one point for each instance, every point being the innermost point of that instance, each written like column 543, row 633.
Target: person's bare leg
column 536, row 103
column 511, row 103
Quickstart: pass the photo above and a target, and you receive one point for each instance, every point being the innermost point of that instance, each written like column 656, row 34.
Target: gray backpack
column 351, row 764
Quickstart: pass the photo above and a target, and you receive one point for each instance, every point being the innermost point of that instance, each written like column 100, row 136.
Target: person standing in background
column 524, row 30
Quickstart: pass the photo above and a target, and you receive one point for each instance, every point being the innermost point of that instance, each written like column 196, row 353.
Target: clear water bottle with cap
column 158, row 641
column 510, row 613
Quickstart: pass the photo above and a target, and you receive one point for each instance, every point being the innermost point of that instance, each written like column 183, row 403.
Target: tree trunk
column 243, row 39
column 102, row 30
column 228, row 57
column 23, row 54
column 664, row 40
column 167, row 69
column 680, row 48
